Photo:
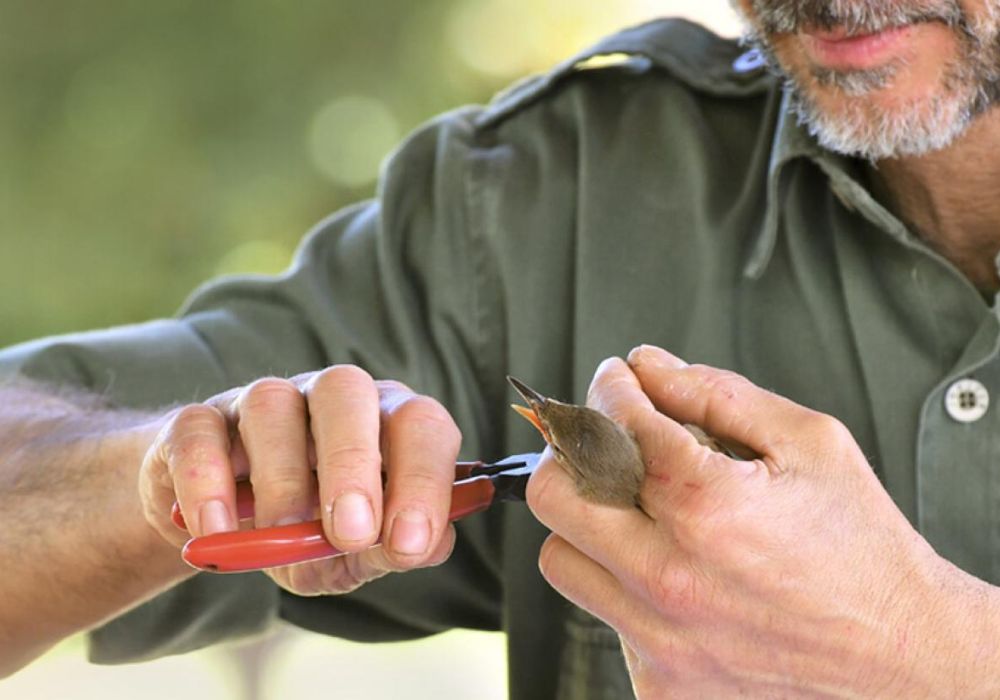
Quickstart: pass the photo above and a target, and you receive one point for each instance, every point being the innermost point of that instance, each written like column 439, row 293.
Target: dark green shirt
column 661, row 194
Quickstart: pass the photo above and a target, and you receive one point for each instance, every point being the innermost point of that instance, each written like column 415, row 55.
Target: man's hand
column 793, row 574
column 336, row 428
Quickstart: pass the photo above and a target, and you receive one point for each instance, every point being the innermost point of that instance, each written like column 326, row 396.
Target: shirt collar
column 792, row 140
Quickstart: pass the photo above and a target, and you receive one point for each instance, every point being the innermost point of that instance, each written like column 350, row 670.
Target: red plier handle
column 477, row 487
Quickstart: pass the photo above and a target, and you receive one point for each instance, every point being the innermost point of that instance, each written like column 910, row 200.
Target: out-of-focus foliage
column 148, row 146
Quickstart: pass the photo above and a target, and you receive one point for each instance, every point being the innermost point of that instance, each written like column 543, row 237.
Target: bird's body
column 601, row 456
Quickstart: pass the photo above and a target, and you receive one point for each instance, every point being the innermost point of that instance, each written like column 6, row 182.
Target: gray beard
column 971, row 83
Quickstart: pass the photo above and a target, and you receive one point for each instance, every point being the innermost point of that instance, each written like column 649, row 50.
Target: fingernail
column 214, row 517
column 655, row 357
column 411, row 533
column 353, row 518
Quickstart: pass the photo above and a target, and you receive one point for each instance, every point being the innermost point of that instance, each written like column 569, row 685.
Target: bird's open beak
column 534, row 401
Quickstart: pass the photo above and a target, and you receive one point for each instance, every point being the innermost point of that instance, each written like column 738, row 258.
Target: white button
column 967, row 400
column 750, row 61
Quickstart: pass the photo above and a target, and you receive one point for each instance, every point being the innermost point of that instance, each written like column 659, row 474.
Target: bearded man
column 823, row 229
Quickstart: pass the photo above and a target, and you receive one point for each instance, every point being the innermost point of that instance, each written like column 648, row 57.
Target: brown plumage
column 602, row 457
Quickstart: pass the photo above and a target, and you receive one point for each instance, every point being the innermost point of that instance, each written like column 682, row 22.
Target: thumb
column 725, row 404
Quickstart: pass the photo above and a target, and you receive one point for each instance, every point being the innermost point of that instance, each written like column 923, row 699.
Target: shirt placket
column 921, row 329
column 958, row 458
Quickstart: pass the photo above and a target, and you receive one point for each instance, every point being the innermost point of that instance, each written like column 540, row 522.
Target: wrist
column 952, row 641
column 125, row 527
column 73, row 506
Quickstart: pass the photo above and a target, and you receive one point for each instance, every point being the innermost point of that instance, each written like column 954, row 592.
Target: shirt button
column 967, row 400
column 752, row 60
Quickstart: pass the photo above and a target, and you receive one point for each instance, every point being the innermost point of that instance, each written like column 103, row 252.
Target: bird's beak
column 534, row 401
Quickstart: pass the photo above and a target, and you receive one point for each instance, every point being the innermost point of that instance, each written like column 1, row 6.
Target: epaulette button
column 752, row 60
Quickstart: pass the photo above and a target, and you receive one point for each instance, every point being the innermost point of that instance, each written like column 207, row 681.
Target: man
column 832, row 240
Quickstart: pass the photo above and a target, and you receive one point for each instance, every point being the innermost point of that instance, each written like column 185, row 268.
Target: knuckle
column 340, row 378
column 693, row 527
column 194, row 436
column 303, row 580
column 724, row 383
column 343, row 577
column 828, row 429
column 279, row 486
column 421, row 483
column 350, row 457
column 426, row 416
column 675, row 589
column 194, row 418
column 270, row 395
column 417, row 406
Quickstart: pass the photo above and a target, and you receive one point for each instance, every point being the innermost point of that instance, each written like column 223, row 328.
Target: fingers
column 725, row 404
column 422, row 447
column 587, row 584
column 339, row 421
column 359, row 426
column 189, row 460
column 606, row 534
column 346, row 573
column 664, row 443
column 344, row 419
column 272, row 429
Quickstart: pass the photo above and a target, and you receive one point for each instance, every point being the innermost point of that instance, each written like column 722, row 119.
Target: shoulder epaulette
column 688, row 51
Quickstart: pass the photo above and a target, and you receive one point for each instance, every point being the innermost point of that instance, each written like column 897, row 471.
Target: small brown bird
column 602, row 457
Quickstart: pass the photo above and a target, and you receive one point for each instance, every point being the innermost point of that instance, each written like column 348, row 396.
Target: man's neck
column 951, row 199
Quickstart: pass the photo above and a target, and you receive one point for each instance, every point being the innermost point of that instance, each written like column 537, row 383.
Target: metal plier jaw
column 477, row 486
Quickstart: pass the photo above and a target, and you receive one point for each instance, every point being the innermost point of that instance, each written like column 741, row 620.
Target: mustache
column 856, row 16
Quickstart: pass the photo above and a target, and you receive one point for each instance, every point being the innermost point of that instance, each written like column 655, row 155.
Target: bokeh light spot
column 257, row 257
column 350, row 136
column 495, row 39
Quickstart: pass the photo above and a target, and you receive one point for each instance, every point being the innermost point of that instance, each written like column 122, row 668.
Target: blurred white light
column 314, row 666
column 68, row 675
column 349, row 137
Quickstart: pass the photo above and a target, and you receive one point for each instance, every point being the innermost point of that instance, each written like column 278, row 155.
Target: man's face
column 883, row 78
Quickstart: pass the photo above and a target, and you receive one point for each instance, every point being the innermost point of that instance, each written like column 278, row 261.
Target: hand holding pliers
column 477, row 486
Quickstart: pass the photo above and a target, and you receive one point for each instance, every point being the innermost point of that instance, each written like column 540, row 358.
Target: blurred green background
column 148, row 146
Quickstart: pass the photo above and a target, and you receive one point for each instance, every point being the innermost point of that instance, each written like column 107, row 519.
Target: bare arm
column 75, row 546
column 85, row 491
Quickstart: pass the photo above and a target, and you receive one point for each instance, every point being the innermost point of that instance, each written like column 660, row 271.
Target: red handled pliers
column 477, row 487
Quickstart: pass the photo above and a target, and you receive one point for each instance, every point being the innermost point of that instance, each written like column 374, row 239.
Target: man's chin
column 884, row 125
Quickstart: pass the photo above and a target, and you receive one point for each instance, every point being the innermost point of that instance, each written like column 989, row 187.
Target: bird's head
column 562, row 425
column 602, row 457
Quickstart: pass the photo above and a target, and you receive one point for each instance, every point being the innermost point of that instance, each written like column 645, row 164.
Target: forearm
column 76, row 548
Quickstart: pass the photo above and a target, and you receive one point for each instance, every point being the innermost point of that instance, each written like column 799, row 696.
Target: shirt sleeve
column 399, row 285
